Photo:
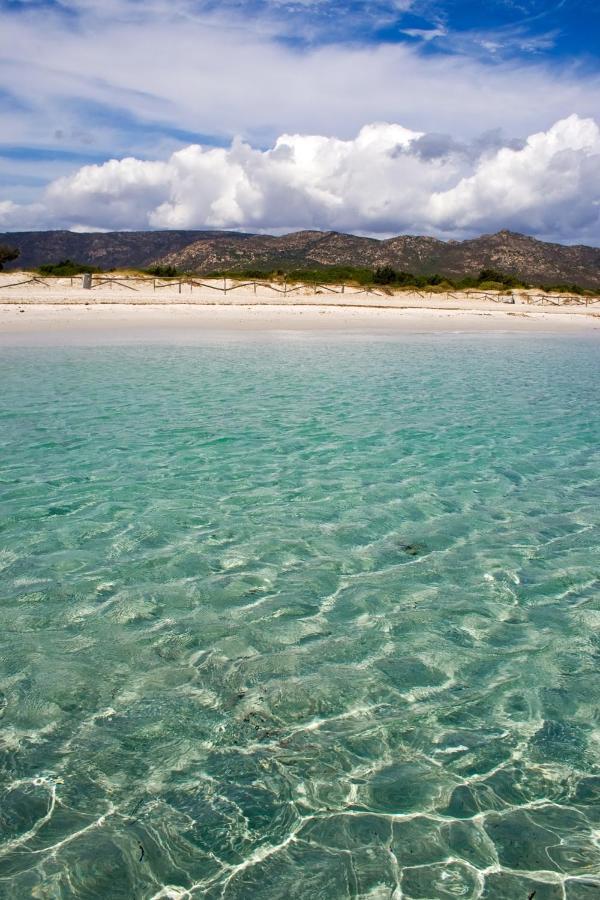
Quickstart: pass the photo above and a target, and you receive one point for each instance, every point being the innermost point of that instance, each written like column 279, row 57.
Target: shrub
column 384, row 275
column 66, row 267
column 163, row 271
column 491, row 275
column 7, row 254
column 562, row 288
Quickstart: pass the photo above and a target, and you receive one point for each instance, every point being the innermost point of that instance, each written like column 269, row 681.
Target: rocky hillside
column 205, row 251
column 111, row 250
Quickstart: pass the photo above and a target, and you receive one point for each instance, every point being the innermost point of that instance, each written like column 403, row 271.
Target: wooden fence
column 26, row 281
column 141, row 282
column 285, row 289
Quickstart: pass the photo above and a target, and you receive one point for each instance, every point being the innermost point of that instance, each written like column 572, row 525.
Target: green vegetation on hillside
column 386, row 277
column 65, row 268
column 163, row 271
column 326, row 275
column 568, row 289
column 488, row 279
column 382, row 276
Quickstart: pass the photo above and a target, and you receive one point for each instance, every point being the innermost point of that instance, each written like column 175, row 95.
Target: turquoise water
column 301, row 620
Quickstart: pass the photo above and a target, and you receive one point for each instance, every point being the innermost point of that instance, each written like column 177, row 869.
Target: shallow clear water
column 301, row 620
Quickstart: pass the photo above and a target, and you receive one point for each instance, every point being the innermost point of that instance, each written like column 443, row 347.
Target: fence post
column 87, row 281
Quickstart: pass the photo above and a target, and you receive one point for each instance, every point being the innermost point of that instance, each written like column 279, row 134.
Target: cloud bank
column 388, row 179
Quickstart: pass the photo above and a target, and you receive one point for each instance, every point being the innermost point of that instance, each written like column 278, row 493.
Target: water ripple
column 301, row 621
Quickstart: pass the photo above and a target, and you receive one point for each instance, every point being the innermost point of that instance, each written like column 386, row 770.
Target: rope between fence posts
column 113, row 281
column 29, row 281
column 541, row 299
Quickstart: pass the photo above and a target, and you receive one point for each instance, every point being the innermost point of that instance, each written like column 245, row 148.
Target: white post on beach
column 224, row 287
column 87, row 281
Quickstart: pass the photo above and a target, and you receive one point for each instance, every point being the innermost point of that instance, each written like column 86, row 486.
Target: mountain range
column 534, row 261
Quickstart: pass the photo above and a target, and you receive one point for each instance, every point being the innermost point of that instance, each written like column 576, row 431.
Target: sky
column 439, row 117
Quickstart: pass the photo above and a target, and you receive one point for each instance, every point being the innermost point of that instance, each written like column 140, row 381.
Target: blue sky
column 83, row 82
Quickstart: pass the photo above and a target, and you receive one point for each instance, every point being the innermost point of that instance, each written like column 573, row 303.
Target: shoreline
column 100, row 321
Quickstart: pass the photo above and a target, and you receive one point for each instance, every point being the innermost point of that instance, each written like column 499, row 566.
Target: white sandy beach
column 45, row 324
column 58, row 312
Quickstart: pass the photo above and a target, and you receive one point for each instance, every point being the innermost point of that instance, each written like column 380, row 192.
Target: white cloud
column 550, row 186
column 371, row 182
column 111, row 71
column 8, row 212
column 426, row 34
column 132, row 79
column 17, row 217
column 379, row 182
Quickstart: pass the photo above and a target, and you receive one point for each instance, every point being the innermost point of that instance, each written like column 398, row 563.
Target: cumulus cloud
column 550, row 186
column 387, row 179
